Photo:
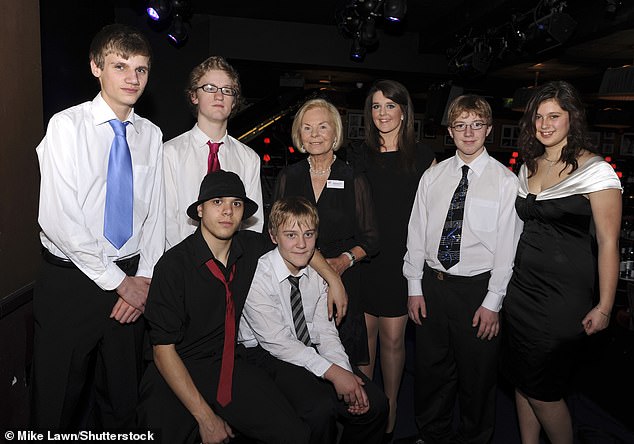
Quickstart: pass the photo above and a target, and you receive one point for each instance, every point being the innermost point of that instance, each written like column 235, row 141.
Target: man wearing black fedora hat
column 199, row 385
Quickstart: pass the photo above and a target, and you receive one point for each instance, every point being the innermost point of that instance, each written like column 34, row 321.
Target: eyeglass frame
column 470, row 125
column 224, row 90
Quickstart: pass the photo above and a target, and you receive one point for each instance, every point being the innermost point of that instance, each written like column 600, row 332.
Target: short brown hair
column 123, row 40
column 210, row 64
column 293, row 207
column 334, row 115
column 469, row 103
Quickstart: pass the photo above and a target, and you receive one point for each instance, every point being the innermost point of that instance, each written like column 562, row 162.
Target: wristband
column 350, row 256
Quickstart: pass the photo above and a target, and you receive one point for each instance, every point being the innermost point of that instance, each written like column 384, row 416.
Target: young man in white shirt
column 102, row 214
column 213, row 92
column 461, row 242
column 286, row 314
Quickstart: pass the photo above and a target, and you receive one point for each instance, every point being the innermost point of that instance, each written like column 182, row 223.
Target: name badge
column 335, row 184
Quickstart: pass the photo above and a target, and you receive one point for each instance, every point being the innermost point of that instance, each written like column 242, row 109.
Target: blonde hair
column 213, row 63
column 470, row 103
column 334, row 116
column 295, row 208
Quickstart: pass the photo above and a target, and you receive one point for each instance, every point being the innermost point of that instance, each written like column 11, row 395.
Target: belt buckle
column 440, row 275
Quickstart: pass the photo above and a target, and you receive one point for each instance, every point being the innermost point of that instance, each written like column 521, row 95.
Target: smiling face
column 214, row 107
column 220, row 217
column 386, row 114
column 317, row 131
column 552, row 124
column 470, row 142
column 296, row 243
column 122, row 81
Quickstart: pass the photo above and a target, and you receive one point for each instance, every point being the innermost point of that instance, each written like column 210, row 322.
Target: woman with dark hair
column 393, row 161
column 347, row 228
column 566, row 261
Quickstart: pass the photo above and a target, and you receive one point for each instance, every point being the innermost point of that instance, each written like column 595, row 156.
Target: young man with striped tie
column 286, row 330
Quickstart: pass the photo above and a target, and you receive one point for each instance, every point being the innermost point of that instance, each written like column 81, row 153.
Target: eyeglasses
column 475, row 126
column 225, row 90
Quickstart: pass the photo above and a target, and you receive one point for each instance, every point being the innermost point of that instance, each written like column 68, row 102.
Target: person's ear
column 96, row 71
column 273, row 237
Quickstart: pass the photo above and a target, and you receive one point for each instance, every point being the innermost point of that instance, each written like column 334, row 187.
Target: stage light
column 159, row 10
column 394, row 10
column 357, row 52
column 368, row 36
column 177, row 32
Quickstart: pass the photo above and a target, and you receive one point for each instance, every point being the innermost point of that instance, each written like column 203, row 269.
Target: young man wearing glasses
column 461, row 241
column 213, row 93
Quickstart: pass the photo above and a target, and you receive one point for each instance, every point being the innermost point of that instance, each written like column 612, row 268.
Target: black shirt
column 186, row 303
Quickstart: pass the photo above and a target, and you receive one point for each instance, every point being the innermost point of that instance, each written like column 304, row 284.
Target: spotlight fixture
column 159, row 10
column 357, row 51
column 394, row 10
column 177, row 33
column 367, row 36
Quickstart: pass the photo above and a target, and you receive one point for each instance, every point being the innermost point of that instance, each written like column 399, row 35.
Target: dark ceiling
column 600, row 39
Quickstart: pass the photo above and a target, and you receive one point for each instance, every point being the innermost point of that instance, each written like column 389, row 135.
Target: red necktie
column 213, row 161
column 223, row 396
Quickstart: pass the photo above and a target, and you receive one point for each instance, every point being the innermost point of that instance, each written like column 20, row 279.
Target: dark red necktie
column 223, row 396
column 213, row 161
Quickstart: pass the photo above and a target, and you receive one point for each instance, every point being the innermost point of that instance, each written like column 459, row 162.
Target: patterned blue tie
column 117, row 223
column 449, row 248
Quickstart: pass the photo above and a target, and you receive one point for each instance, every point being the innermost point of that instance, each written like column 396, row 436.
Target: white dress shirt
column 73, row 160
column 490, row 228
column 267, row 317
column 185, row 163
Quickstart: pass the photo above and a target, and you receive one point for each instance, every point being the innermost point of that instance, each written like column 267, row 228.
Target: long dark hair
column 577, row 140
column 396, row 92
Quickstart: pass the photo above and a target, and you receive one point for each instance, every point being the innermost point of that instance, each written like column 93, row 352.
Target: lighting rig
column 357, row 20
column 535, row 31
column 172, row 15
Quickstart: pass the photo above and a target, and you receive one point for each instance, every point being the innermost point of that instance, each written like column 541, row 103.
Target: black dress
column 393, row 188
column 346, row 219
column 554, row 282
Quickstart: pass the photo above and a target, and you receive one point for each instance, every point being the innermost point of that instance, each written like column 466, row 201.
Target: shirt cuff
column 415, row 287
column 111, row 278
column 493, row 302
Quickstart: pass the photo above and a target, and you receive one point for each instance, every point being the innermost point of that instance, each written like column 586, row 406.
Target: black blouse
column 346, row 213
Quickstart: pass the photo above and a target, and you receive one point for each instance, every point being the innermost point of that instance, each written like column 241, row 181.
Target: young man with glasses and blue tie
column 286, row 330
column 213, row 93
column 102, row 214
column 461, row 241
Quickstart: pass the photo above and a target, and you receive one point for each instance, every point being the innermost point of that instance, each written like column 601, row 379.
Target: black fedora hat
column 222, row 184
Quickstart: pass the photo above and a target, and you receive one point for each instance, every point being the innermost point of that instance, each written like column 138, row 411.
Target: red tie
column 223, row 395
column 213, row 162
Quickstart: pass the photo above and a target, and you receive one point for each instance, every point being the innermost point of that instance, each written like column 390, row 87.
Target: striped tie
column 301, row 329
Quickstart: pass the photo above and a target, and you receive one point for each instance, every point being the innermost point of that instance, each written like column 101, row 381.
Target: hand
column 134, row 290
column 340, row 263
column 595, row 321
column 417, row 309
column 124, row 312
column 489, row 323
column 213, row 429
column 349, row 387
column 338, row 298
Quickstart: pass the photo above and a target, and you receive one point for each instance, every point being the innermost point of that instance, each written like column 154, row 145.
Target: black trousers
column 257, row 409
column 78, row 347
column 451, row 362
column 315, row 401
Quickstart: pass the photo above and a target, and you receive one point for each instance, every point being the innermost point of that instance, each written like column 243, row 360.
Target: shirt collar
column 279, row 266
column 102, row 113
column 201, row 138
column 477, row 165
column 202, row 253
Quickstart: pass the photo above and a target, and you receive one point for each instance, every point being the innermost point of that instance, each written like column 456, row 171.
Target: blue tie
column 117, row 223
column 449, row 248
